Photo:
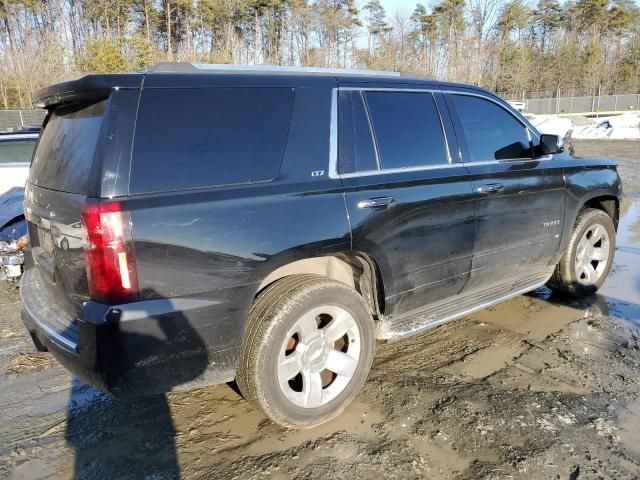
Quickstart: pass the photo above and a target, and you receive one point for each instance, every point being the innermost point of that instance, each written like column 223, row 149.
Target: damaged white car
column 13, row 234
column 16, row 150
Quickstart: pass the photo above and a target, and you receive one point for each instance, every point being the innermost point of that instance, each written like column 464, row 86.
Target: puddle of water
column 622, row 288
column 629, row 427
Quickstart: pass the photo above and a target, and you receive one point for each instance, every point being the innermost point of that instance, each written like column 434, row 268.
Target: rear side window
column 67, row 145
column 407, row 129
column 16, row 151
column 189, row 138
column 491, row 133
column 355, row 145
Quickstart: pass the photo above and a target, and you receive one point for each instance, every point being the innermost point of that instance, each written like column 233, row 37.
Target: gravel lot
column 537, row 387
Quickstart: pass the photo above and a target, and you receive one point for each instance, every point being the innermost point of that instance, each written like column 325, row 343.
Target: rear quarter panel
column 218, row 244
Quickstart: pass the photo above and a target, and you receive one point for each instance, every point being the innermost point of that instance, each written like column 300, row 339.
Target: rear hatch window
column 64, row 156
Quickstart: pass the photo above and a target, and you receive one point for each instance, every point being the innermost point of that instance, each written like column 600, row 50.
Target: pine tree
column 376, row 23
column 569, row 44
column 547, row 17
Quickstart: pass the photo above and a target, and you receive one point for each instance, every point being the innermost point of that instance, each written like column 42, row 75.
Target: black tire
column 565, row 278
column 274, row 313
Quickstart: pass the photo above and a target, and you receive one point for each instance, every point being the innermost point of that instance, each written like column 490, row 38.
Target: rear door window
column 16, row 151
column 355, row 144
column 491, row 133
column 407, row 129
column 64, row 156
column 190, row 138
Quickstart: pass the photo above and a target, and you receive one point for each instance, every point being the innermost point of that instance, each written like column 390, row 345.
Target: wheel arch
column 609, row 204
column 601, row 199
column 355, row 269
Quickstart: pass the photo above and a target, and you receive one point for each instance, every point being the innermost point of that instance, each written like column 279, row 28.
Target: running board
column 458, row 306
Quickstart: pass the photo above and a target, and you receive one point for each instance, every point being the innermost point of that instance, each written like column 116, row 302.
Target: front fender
column 586, row 182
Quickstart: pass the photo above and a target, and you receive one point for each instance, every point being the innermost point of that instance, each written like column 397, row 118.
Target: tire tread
column 562, row 278
column 270, row 305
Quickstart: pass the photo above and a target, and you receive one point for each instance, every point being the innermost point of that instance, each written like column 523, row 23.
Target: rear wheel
column 589, row 256
column 308, row 350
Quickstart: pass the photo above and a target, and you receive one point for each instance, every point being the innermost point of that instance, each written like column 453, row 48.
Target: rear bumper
column 146, row 347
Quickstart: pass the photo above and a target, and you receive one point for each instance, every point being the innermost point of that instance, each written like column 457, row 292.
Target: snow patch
column 552, row 124
column 616, row 127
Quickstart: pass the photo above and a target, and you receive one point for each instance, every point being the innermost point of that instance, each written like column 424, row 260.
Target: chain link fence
column 17, row 119
column 583, row 104
column 620, row 88
column 576, row 100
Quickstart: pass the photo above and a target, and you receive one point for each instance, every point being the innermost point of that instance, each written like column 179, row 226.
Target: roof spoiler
column 84, row 89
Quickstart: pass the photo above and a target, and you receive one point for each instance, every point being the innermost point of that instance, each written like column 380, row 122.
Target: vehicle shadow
column 134, row 437
column 120, row 438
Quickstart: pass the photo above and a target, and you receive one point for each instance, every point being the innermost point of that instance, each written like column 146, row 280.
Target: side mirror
column 550, row 144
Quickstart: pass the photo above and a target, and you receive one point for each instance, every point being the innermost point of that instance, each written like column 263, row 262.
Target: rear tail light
column 108, row 251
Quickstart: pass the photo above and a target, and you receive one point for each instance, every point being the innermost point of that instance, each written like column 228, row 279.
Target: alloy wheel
column 319, row 356
column 592, row 255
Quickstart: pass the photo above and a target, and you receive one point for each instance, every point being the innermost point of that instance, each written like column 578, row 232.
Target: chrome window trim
column 509, row 160
column 333, row 135
column 373, row 135
column 444, row 131
column 368, row 173
column 389, row 89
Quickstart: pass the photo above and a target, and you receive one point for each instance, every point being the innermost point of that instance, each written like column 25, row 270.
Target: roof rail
column 177, row 67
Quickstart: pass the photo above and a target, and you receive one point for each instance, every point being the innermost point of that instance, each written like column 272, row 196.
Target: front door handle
column 376, row 203
column 490, row 188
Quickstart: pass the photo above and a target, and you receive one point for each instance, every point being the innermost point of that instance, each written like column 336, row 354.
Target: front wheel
column 589, row 255
column 308, row 350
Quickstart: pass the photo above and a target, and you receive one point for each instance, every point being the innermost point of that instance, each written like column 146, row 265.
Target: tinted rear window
column 189, row 138
column 67, row 145
column 355, row 145
column 407, row 128
column 16, row 151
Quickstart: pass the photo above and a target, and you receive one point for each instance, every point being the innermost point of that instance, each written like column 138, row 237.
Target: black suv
column 198, row 224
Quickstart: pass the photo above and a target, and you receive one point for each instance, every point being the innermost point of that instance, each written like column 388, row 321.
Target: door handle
column 378, row 203
column 490, row 188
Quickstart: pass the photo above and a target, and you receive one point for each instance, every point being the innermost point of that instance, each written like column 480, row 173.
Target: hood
column 11, row 206
column 12, row 224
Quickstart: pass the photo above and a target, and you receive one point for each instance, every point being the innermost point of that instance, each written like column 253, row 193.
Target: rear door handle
column 490, row 188
column 376, row 203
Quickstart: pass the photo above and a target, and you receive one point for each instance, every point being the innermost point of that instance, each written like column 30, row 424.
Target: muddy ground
column 538, row 387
